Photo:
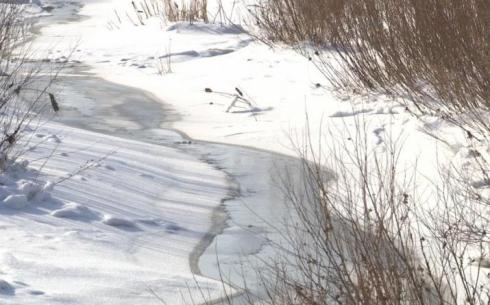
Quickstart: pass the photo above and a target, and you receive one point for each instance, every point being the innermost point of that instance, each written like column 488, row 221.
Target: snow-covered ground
column 133, row 227
column 281, row 85
column 95, row 219
column 113, row 234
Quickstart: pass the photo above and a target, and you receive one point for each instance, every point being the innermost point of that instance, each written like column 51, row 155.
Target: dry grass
column 434, row 52
column 167, row 10
column 364, row 238
column 187, row 10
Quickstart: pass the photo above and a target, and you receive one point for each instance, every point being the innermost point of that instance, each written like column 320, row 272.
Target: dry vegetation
column 436, row 53
column 365, row 237
column 22, row 93
column 361, row 232
column 167, row 10
column 191, row 11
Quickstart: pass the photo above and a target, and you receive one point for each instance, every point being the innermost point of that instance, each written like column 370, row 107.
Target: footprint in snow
column 173, row 228
column 109, row 167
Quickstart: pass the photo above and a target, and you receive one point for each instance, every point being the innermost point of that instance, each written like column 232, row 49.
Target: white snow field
column 132, row 229
column 118, row 233
column 281, row 85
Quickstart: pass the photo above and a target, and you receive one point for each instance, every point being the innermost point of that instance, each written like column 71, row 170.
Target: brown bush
column 434, row 52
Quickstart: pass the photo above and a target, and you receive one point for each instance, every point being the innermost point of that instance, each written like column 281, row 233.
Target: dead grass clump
column 190, row 10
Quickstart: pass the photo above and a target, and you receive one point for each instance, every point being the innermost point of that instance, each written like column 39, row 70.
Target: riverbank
column 291, row 104
column 94, row 104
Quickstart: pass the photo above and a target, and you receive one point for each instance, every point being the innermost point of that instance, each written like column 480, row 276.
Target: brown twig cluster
column 23, row 95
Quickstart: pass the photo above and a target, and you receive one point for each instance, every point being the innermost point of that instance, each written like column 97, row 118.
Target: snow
column 119, row 222
column 113, row 237
column 75, row 211
column 16, row 201
column 127, row 226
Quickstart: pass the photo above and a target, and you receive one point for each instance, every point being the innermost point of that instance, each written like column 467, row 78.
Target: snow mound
column 20, row 186
column 74, row 211
column 29, row 188
column 119, row 222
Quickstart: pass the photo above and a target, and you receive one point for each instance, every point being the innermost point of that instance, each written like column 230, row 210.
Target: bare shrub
column 361, row 234
column 22, row 93
column 293, row 21
column 435, row 53
column 367, row 238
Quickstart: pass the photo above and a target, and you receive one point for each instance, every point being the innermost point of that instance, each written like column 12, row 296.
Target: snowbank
column 118, row 232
